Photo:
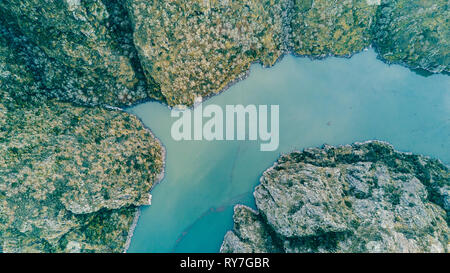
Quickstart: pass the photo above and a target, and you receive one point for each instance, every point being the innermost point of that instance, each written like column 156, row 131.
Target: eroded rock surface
column 355, row 198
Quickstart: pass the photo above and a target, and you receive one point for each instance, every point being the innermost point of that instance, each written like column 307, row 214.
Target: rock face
column 415, row 33
column 355, row 198
column 70, row 177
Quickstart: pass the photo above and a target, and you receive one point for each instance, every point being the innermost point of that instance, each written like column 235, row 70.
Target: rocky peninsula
column 197, row 49
column 364, row 197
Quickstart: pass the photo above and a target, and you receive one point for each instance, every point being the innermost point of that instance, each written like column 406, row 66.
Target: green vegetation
column 334, row 204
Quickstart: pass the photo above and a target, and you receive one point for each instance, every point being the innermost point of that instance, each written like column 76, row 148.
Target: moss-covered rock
column 355, row 198
column 120, row 52
column 95, row 154
column 61, row 162
column 71, row 176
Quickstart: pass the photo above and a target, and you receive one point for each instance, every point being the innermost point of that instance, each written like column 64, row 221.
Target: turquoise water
column 334, row 101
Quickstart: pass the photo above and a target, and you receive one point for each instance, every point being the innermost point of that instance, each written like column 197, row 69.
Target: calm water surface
column 334, row 101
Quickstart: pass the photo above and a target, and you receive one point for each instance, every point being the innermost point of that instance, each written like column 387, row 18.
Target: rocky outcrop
column 70, row 177
column 355, row 198
column 198, row 49
column 415, row 33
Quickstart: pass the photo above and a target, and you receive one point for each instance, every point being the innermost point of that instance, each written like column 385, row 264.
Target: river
column 334, row 101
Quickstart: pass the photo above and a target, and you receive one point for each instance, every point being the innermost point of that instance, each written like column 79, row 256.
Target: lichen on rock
column 355, row 198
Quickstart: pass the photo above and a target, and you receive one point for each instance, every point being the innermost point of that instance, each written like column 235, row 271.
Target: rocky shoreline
column 157, row 181
column 117, row 64
column 79, row 62
column 364, row 197
column 131, row 230
column 336, row 39
column 67, row 172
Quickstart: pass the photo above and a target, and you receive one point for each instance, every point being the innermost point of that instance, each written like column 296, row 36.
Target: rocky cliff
column 354, row 198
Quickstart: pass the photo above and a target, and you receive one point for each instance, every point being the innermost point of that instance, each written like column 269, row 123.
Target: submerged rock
column 355, row 198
